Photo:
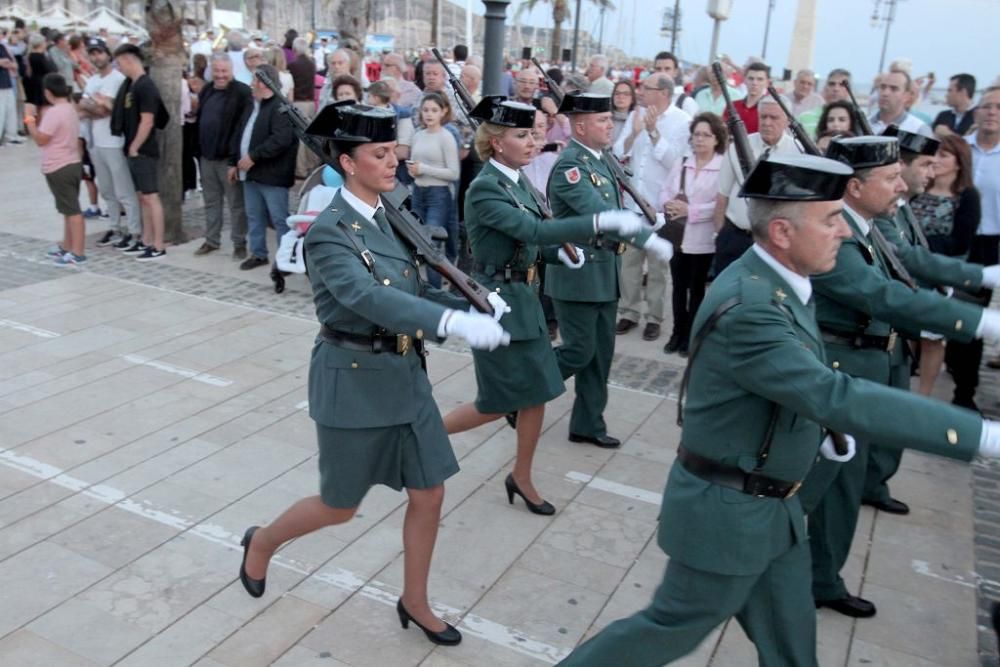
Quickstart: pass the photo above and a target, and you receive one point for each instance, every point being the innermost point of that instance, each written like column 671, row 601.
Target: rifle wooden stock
column 808, row 145
column 402, row 221
column 737, row 128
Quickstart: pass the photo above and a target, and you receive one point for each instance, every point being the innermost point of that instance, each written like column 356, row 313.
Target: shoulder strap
column 684, row 172
column 364, row 253
column 896, row 267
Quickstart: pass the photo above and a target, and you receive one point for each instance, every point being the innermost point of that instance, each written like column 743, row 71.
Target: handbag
column 673, row 230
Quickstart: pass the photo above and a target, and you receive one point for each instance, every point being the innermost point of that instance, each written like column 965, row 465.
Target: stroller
column 315, row 195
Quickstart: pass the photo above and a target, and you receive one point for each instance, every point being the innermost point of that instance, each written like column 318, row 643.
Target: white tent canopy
column 103, row 18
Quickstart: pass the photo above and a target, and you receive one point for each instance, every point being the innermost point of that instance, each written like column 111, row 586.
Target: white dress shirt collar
column 865, row 225
column 512, row 174
column 367, row 212
column 799, row 284
column 596, row 154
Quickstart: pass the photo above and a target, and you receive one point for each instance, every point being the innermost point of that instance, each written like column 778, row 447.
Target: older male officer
column 929, row 269
column 759, row 391
column 861, row 308
column 585, row 300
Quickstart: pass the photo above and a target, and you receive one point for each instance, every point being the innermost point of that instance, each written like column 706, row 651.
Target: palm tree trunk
column 353, row 18
column 164, row 26
column 435, row 22
column 560, row 10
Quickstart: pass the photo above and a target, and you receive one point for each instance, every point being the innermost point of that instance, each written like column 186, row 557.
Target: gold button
column 354, row 364
column 836, row 364
column 958, row 325
column 952, row 436
column 385, row 282
column 419, row 334
column 968, row 282
column 406, row 273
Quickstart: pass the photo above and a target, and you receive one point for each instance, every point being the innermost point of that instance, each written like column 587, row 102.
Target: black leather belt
column 861, row 341
column 508, row 275
column 616, row 247
column 751, row 483
column 732, row 225
column 400, row 344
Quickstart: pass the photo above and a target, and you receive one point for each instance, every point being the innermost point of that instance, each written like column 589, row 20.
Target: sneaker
column 56, row 252
column 92, row 212
column 124, row 243
column 253, row 263
column 240, row 253
column 151, row 253
column 15, row 140
column 108, row 238
column 69, row 259
column 135, row 248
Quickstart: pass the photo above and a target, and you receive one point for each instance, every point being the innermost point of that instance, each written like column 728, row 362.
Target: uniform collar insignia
column 780, row 293
column 355, row 226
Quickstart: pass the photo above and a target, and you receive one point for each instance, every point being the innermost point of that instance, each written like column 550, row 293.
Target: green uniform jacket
column 361, row 389
column 760, row 354
column 930, row 268
column 505, row 228
column 860, row 296
column 581, row 184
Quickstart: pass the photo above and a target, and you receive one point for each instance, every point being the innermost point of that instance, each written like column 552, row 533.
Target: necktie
column 383, row 222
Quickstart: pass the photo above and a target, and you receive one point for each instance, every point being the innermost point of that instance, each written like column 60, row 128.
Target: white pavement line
column 302, row 405
column 970, row 581
column 477, row 626
column 624, row 490
column 197, row 376
column 27, row 328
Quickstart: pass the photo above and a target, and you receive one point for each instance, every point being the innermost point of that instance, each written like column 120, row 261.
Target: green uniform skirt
column 413, row 456
column 521, row 375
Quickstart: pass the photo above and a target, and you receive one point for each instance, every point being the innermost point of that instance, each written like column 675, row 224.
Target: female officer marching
column 368, row 394
column 506, row 228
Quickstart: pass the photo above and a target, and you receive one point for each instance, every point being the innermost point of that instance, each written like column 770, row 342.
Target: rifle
column 402, row 221
column 863, row 124
column 613, row 163
column 737, row 128
column 465, row 101
column 808, row 145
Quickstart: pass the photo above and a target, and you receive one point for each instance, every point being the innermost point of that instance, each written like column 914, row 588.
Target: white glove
column 991, row 276
column 661, row 249
column 500, row 307
column 581, row 257
column 480, row 331
column 623, row 223
column 989, row 442
column 829, row 452
column 989, row 326
column 660, row 220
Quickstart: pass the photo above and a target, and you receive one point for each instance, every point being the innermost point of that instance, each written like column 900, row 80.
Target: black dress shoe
column 851, row 605
column 605, row 441
column 892, row 506
column 624, row 326
column 255, row 587
column 544, row 508
column 673, row 344
column 682, row 349
column 651, row 332
column 511, row 418
column 447, row 637
column 553, row 328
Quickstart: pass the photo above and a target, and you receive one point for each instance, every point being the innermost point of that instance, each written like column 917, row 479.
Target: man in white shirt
column 107, row 150
column 804, row 95
column 666, row 63
column 596, row 73
column 240, row 70
column 203, row 45
column 893, row 89
column 731, row 219
column 657, row 136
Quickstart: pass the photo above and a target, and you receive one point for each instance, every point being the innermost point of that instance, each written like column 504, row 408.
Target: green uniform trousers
column 883, row 462
column 588, row 333
column 773, row 607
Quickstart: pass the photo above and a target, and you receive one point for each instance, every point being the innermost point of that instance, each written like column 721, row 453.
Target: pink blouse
column 701, row 189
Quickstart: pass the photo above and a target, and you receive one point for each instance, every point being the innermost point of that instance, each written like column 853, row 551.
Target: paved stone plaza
column 150, row 412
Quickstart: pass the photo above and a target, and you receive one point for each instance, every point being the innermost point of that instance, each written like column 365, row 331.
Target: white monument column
column 800, row 53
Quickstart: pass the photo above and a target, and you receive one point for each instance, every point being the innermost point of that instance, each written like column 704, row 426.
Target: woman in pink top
column 689, row 267
column 57, row 136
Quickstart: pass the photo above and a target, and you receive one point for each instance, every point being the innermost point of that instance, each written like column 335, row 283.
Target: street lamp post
column 767, row 29
column 576, row 34
column 889, row 17
column 719, row 11
column 496, row 15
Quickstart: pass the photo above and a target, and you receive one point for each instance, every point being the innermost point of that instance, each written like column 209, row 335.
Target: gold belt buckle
column 620, row 250
column 891, row 345
column 531, row 274
column 792, row 491
column 402, row 344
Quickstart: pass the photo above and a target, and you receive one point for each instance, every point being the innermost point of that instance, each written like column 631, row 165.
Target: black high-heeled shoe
column 544, row 508
column 450, row 636
column 255, row 587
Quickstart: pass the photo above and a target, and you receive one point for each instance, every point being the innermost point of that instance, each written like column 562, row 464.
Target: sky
column 844, row 33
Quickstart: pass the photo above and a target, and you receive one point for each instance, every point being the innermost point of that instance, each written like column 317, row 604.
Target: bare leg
column 529, row 428
column 155, row 208
column 92, row 193
column 75, row 234
column 305, row 516
column 931, row 360
column 420, row 528
column 465, row 418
